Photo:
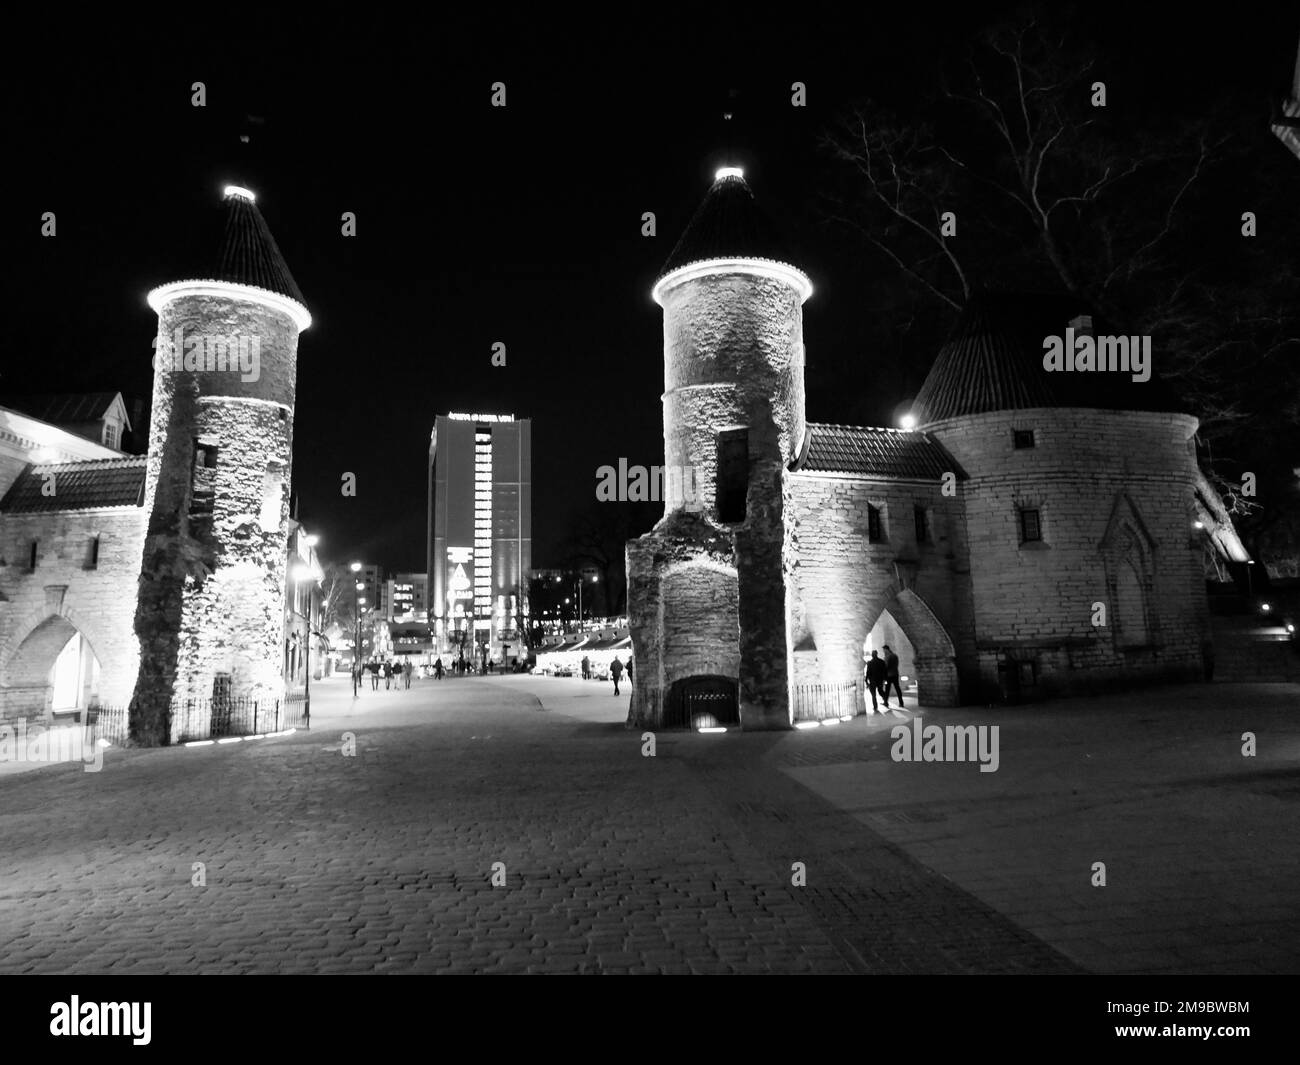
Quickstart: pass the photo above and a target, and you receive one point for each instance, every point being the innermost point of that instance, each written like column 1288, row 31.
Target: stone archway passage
column 933, row 657
column 29, row 683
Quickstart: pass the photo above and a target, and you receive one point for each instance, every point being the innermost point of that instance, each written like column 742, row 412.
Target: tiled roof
column 728, row 224
column 77, row 486
column 235, row 244
column 994, row 361
column 64, row 408
column 876, row 452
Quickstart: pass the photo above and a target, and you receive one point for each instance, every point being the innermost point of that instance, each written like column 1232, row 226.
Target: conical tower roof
column 729, row 224
column 235, row 247
column 247, row 253
column 994, row 361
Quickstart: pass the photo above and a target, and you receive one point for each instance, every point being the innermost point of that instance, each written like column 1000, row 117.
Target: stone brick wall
column 1109, row 486
column 41, row 607
column 733, row 356
column 213, row 598
column 682, row 609
column 843, row 581
column 704, row 598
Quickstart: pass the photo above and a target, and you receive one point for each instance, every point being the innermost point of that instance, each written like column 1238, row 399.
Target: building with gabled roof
column 1040, row 528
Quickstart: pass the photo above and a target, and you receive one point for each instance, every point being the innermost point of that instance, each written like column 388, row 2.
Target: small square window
column 1031, row 529
column 1022, row 438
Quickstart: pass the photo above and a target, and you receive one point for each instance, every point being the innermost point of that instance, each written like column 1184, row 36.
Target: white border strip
column 768, row 268
column 164, row 294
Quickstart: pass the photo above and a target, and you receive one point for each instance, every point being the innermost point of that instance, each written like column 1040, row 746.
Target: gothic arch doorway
column 925, row 651
column 54, row 669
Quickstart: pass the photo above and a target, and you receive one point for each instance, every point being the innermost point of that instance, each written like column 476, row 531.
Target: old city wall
column 68, row 590
column 1109, row 486
column 843, row 581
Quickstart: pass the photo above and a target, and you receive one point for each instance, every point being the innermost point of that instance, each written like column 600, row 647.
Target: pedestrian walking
column 373, row 666
column 406, row 676
column 586, row 668
column 437, row 670
column 388, row 675
column 875, row 675
column 891, row 676
column 616, row 671
column 629, row 669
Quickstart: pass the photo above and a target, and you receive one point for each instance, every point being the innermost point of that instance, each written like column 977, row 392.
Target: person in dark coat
column 875, row 675
column 388, row 675
column 586, row 667
column 891, row 675
column 616, row 671
column 373, row 666
column 437, row 670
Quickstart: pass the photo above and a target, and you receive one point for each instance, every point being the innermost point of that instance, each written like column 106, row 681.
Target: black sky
column 478, row 225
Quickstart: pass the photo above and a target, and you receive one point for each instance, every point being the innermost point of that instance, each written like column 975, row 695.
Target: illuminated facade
column 165, row 573
column 1033, row 533
column 480, row 532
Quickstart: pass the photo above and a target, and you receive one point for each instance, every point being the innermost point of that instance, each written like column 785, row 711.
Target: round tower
column 1081, row 497
column 211, row 610
column 708, row 589
column 733, row 341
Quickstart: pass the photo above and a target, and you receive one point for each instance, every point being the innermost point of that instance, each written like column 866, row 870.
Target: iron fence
column 108, row 723
column 712, row 701
column 817, row 702
column 208, row 719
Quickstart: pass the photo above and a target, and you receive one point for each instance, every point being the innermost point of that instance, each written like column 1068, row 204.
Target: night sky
column 478, row 225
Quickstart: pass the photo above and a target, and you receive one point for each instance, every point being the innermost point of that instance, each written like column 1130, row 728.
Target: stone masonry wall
column 213, row 598
column 1130, row 472
column 843, row 581
column 733, row 358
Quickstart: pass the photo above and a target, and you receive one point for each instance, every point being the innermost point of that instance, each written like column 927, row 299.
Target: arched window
column 1131, row 595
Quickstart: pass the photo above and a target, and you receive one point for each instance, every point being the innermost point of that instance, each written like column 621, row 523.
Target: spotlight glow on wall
column 239, row 192
column 729, row 172
column 907, row 421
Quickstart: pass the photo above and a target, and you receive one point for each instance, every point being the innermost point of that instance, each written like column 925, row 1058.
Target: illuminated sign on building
column 481, row 417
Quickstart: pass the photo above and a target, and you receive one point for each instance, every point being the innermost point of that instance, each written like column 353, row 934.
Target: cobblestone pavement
column 614, row 862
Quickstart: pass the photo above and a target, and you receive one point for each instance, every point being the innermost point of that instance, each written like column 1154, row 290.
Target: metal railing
column 208, row 719
column 817, row 702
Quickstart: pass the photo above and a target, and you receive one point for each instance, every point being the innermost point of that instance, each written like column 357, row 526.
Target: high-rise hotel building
column 480, row 532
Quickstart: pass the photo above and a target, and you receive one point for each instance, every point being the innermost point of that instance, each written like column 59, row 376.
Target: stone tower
column 1080, row 505
column 708, row 587
column 211, row 602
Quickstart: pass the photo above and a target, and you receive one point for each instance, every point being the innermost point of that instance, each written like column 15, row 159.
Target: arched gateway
column 928, row 653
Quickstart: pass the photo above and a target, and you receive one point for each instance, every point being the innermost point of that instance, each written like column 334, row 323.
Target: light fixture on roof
column 907, row 421
column 239, row 192
column 729, row 172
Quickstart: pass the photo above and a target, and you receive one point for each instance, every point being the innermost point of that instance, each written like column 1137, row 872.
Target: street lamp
column 355, row 567
column 302, row 571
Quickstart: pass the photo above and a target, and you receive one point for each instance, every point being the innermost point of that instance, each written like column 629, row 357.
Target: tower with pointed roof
column 1040, row 530
column 708, row 596
column 1083, row 497
column 211, row 602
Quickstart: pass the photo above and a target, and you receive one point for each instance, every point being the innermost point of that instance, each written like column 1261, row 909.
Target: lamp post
column 303, row 571
column 581, row 581
column 356, row 645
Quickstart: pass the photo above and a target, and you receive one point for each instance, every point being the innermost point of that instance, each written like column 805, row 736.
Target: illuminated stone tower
column 708, row 588
column 211, row 603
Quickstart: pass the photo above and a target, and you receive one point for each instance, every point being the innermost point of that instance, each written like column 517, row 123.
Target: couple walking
column 883, row 673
